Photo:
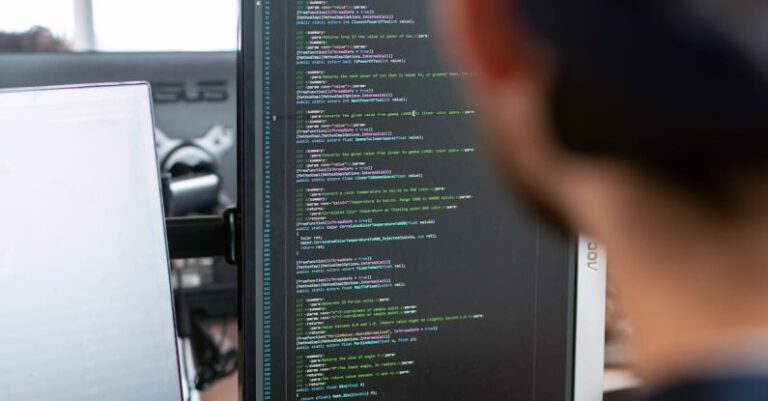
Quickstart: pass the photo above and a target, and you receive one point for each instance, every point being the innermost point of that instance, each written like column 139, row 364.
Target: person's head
column 644, row 124
column 36, row 39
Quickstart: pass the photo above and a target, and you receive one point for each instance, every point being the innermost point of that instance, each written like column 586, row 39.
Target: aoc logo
column 205, row 91
column 594, row 255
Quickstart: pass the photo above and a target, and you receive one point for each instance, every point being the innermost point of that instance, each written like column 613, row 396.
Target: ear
column 482, row 36
column 511, row 94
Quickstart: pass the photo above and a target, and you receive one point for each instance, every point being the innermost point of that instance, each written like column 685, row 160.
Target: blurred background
column 109, row 26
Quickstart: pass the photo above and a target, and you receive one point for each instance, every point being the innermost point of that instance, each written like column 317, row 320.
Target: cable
column 184, row 360
column 187, row 376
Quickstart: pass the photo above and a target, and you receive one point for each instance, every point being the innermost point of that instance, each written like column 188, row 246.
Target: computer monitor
column 383, row 259
column 192, row 91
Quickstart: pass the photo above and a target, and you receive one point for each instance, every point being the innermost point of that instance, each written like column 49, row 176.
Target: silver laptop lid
column 85, row 299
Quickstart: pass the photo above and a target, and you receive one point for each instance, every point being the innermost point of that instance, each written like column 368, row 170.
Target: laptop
column 85, row 297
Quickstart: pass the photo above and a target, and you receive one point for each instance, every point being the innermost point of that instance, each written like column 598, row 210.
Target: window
column 165, row 25
column 128, row 26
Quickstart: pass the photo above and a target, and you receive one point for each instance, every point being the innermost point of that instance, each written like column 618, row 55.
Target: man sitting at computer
column 643, row 124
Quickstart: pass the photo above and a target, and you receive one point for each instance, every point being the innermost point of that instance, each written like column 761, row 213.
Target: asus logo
column 208, row 91
column 593, row 255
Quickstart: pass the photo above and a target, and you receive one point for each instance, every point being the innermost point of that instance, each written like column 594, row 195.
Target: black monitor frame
column 250, row 184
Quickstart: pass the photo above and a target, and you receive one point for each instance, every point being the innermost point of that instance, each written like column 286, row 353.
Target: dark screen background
column 396, row 267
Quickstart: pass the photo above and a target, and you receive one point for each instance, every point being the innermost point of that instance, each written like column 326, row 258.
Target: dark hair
column 36, row 39
column 661, row 84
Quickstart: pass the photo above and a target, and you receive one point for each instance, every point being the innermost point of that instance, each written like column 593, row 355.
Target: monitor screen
column 383, row 259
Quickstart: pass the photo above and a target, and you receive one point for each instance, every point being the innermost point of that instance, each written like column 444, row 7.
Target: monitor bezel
column 250, row 187
column 589, row 314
